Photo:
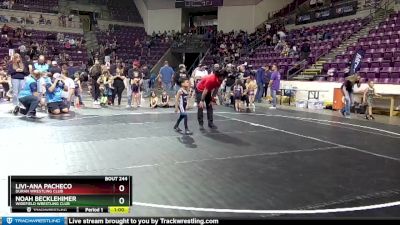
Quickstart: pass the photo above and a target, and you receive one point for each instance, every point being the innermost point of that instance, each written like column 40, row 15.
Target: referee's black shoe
column 201, row 127
column 212, row 126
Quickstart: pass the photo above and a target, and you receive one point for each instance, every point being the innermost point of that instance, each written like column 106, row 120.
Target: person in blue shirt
column 41, row 65
column 54, row 89
column 166, row 74
column 260, row 83
column 29, row 96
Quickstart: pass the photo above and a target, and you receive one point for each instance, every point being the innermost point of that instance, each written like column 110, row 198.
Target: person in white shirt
column 70, row 87
column 281, row 35
column 267, row 27
column 197, row 75
column 71, row 41
column 22, row 49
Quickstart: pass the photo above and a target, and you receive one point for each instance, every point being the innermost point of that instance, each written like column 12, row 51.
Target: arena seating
column 124, row 10
column 126, row 37
column 266, row 55
column 381, row 62
column 77, row 55
column 47, row 6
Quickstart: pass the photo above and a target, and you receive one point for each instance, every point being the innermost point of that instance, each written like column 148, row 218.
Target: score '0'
column 121, row 188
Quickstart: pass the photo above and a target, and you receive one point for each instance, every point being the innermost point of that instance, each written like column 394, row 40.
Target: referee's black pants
column 209, row 108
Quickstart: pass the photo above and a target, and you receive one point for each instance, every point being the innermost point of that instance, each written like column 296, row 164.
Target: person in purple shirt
column 274, row 84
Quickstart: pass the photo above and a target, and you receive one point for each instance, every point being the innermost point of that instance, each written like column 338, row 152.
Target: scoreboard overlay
column 75, row 194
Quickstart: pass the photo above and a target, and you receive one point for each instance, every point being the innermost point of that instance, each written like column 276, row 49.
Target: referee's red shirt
column 210, row 82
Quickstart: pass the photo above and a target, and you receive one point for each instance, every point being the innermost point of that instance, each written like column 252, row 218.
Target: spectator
column 199, row 73
column 69, row 91
column 268, row 40
column 67, row 45
column 29, row 96
column 305, row 50
column 71, row 69
column 274, row 84
column 60, row 37
column 5, row 83
column 260, row 83
column 41, row 65
column 146, row 78
column 164, row 100
column 5, row 30
column 42, row 21
column 267, row 27
column 27, row 34
column 166, row 73
column 70, row 19
column 29, row 19
column 54, row 91
column 293, row 51
column 180, row 75
column 281, row 35
column 348, row 93
column 118, row 84
column 72, row 42
column 18, row 71
column 267, row 78
column 33, row 52
column 137, row 43
column 94, row 73
column 54, row 68
column 153, row 100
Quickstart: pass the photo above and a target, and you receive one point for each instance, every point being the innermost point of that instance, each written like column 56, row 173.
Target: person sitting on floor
column 164, row 100
column 54, row 89
column 153, row 100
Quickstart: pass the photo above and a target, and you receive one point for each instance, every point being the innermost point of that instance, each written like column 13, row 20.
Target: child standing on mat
column 135, row 87
column 238, row 94
column 181, row 104
column 369, row 95
column 251, row 87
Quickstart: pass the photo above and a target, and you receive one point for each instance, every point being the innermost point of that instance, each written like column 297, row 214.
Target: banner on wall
column 345, row 9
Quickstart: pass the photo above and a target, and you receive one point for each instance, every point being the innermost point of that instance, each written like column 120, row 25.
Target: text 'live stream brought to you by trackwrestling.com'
column 104, row 221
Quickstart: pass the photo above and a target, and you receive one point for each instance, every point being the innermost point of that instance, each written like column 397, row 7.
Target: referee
column 206, row 90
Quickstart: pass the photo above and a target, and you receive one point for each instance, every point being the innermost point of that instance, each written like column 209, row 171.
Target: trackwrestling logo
column 33, row 220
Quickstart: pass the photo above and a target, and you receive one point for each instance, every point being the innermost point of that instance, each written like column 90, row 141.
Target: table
column 386, row 96
column 312, row 94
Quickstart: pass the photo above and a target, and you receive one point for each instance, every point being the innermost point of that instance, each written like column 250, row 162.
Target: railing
column 303, row 64
column 206, row 54
column 253, row 45
column 190, row 44
column 194, row 65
